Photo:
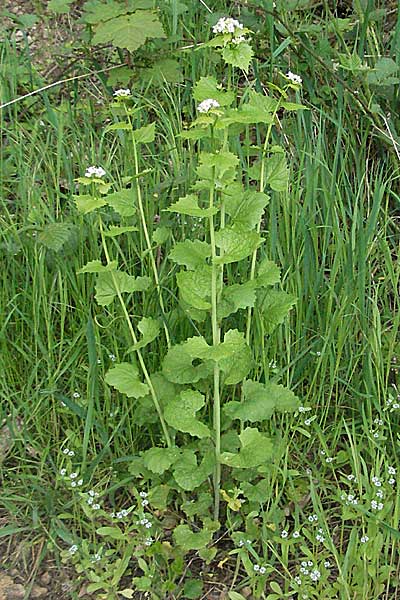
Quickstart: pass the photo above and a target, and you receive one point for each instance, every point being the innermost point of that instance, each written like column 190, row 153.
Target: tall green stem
column 146, row 231
column 135, row 340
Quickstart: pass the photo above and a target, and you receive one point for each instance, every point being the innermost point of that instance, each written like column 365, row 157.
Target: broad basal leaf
column 149, row 328
column 277, row 173
column 274, row 306
column 195, row 287
column 108, row 283
column 246, row 209
column 207, row 87
column 123, row 202
column 129, row 31
column 85, row 203
column 256, row 450
column 178, row 364
column 125, row 378
column 188, row 474
column 186, row 539
column 261, row 400
column 235, row 244
column 180, row 413
column 159, row 460
column 238, row 55
column 189, row 205
column 192, row 254
column 239, row 361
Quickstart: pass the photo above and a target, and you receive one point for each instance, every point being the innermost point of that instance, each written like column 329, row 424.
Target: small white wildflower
column 148, row 525
column 207, row 105
column 376, row 435
column 262, row 570
column 307, row 422
column 112, row 357
column 63, row 405
column 298, row 81
column 313, row 518
column 76, row 395
column 296, row 534
column 303, row 563
column 241, row 543
column 256, row 568
column 389, row 401
column 364, row 539
column 379, row 494
column 143, row 521
column 391, row 470
column 322, row 452
column 329, row 459
column 327, row 564
column 284, row 534
column 396, row 405
column 73, row 475
column 90, row 501
column 144, row 502
column 96, row 506
column 304, row 571
column 80, row 482
column 297, row 580
column 71, row 453
column 315, row 575
column 149, row 541
column 73, row 549
column 96, row 557
column 65, row 451
column 378, row 421
column 248, row 542
column 63, row 472
column 376, row 481
column 112, row 515
column 73, row 483
column 320, row 538
column 92, row 493
column 122, row 93
column 391, row 481
column 98, row 172
column 227, row 25
column 380, row 505
column 308, row 471
column 310, row 563
column 143, row 494
column 302, row 409
column 238, row 40
column 351, row 477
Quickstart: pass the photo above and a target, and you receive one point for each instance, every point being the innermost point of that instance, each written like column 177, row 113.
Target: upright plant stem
column 146, row 232
column 135, row 341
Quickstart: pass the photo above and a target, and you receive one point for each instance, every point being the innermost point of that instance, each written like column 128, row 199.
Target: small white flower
column 379, row 494
column 207, row 105
column 302, row 409
column 112, row 515
column 322, row 452
column 327, row 564
column 97, row 172
column 143, row 521
column 76, row 395
column 329, row 459
column 308, row 471
column 262, row 570
column 122, row 93
column 396, row 405
column 241, row 543
column 256, row 568
column 391, row 481
column 378, row 421
column 149, row 541
column 90, row 501
column 315, row 575
column 376, row 481
column 298, row 81
column 303, row 563
column 307, row 422
column 238, row 40
column 284, row 534
column 391, row 470
column 248, row 542
column 65, row 451
column 376, row 435
column 96, row 557
column 143, row 494
column 73, row 549
column 310, row 563
column 148, row 525
column 73, row 483
column 351, row 477
column 80, row 482
column 63, row 472
column 227, row 25
column 364, row 539
column 73, row 475
column 297, row 580
column 313, row 518
column 96, row 506
column 320, row 538
column 71, row 453
column 144, row 502
column 296, row 534
column 112, row 357
column 304, row 571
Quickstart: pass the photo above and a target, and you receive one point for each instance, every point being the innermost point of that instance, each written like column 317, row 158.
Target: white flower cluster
column 95, row 172
column 207, row 105
column 227, row 25
column 92, row 495
column 68, row 452
column 122, row 93
column 259, row 569
column 296, row 79
column 349, row 499
column 313, row 518
column 144, row 522
column 364, row 539
column 375, row 505
column 319, row 537
column 73, row 549
column 376, row 481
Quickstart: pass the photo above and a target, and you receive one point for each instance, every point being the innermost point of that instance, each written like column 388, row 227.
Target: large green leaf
column 166, row 69
column 268, row 273
column 149, row 328
column 192, row 254
column 145, row 134
column 108, row 283
column 195, row 287
column 125, row 378
column 246, row 209
column 261, row 400
column 129, row 31
column 258, row 109
column 274, row 306
column 188, row 474
column 236, row 296
column 178, row 363
column 85, row 203
column 159, row 460
column 180, row 414
column 277, row 173
column 238, row 360
column 235, row 244
column 238, row 55
column 188, row 540
column 256, row 449
column 55, row 235
column 207, row 87
column 123, row 202
column 96, row 266
column 219, row 167
column 189, row 205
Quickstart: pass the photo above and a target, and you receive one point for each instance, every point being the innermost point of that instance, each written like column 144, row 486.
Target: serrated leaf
column 188, row 540
column 125, row 378
column 113, row 231
column 159, row 460
column 163, row 70
column 236, row 296
column 207, row 87
column 55, row 235
column 96, row 266
column 160, row 235
column 260, row 402
column 108, row 283
column 59, row 6
column 189, row 205
column 246, row 209
column 259, row 109
column 191, row 254
column 149, row 328
column 123, row 202
column 144, row 412
column 256, row 449
column 240, row 360
column 129, row 31
column 219, row 167
column 188, row 474
column 145, row 134
column 95, row 11
column 268, row 273
column 385, row 72
column 235, row 244
column 238, row 55
column 178, row 363
column 180, row 414
column 195, row 286
column 277, row 173
column 85, row 203
column 274, row 306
